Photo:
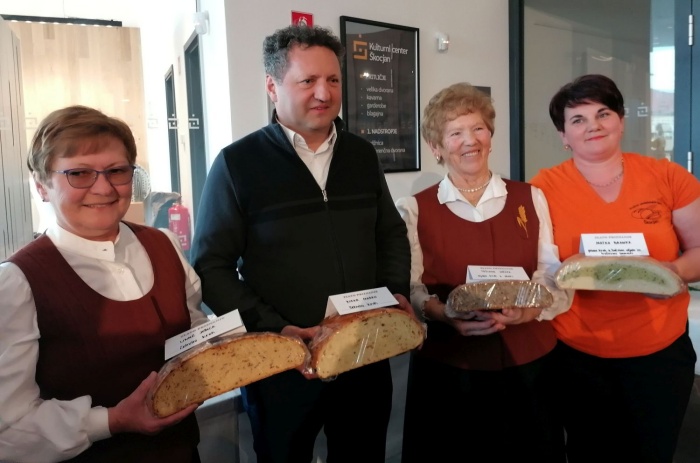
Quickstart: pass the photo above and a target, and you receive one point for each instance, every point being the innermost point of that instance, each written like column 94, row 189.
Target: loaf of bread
column 497, row 295
column 637, row 274
column 353, row 340
column 223, row 365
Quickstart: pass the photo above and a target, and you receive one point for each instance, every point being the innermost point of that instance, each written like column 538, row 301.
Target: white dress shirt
column 39, row 430
column 317, row 161
column 490, row 204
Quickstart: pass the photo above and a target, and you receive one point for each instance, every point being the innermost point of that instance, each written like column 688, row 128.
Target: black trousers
column 287, row 412
column 628, row 409
column 455, row 415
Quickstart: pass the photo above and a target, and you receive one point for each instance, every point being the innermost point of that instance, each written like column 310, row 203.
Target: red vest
column 91, row 345
column 449, row 245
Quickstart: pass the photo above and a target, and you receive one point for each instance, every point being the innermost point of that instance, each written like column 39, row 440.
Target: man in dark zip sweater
column 291, row 214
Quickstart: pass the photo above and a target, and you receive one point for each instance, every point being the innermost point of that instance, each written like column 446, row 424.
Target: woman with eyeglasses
column 86, row 309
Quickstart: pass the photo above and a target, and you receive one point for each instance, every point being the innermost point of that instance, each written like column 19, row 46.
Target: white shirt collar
column 70, row 242
column 447, row 192
column 298, row 141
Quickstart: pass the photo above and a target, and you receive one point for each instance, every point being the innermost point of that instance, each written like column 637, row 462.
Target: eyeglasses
column 85, row 178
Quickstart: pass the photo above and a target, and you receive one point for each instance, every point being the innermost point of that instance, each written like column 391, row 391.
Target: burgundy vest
column 91, row 345
column 449, row 245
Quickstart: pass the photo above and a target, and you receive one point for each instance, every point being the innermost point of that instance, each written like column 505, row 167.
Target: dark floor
column 399, row 370
column 688, row 450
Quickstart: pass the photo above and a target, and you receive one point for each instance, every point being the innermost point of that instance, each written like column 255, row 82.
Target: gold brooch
column 522, row 219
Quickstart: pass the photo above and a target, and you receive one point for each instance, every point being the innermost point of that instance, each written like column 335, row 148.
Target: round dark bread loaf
column 497, row 295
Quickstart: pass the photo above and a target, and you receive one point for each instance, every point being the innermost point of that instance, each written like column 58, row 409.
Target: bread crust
column 223, row 365
column 346, row 342
column 497, row 295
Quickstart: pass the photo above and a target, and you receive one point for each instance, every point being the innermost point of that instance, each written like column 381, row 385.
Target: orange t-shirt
column 620, row 324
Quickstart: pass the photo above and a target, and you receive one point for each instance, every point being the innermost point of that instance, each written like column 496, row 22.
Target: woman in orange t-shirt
column 624, row 362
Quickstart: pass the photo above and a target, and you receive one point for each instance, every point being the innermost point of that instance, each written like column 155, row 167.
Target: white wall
column 216, row 77
column 166, row 26
column 478, row 54
column 233, row 76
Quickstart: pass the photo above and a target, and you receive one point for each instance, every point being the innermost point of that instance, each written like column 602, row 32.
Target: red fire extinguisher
column 179, row 223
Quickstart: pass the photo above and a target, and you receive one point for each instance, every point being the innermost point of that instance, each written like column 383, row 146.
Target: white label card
column 360, row 300
column 614, row 244
column 231, row 322
column 495, row 272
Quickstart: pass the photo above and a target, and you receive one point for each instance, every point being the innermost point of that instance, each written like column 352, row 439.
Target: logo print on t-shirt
column 647, row 211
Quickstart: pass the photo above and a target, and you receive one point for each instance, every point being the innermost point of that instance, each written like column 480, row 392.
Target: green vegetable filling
column 615, row 273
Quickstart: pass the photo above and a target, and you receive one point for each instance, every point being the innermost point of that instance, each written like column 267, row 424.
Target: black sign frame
column 381, row 94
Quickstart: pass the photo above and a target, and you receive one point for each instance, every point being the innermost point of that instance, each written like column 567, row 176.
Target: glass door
column 630, row 41
column 172, row 131
column 652, row 51
column 195, row 121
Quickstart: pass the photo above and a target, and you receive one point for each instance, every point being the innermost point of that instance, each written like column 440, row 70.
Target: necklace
column 474, row 190
column 612, row 181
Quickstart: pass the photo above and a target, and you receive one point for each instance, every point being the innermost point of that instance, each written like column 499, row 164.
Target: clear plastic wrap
column 497, row 295
column 637, row 274
column 349, row 341
column 222, row 364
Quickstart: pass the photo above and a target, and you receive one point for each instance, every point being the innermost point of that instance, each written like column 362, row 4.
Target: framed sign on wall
column 380, row 89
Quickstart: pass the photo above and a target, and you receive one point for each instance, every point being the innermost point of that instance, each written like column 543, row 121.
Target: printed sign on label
column 358, row 301
column 495, row 272
column 614, row 244
column 231, row 322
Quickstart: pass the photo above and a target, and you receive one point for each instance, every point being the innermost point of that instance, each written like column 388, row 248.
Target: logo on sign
column 359, row 49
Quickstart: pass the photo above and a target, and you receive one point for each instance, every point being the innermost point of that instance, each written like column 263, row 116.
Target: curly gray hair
column 276, row 47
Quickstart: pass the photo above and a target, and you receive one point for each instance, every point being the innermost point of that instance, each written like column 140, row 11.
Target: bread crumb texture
column 631, row 274
column 353, row 340
column 220, row 367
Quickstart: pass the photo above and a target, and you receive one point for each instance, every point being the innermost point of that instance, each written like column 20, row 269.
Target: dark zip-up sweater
column 263, row 214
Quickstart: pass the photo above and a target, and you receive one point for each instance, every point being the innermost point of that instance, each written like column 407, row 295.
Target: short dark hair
column 276, row 47
column 589, row 88
column 69, row 131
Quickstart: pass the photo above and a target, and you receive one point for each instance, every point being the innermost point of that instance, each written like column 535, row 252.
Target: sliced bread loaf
column 353, row 340
column 637, row 274
column 223, row 365
column 497, row 295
